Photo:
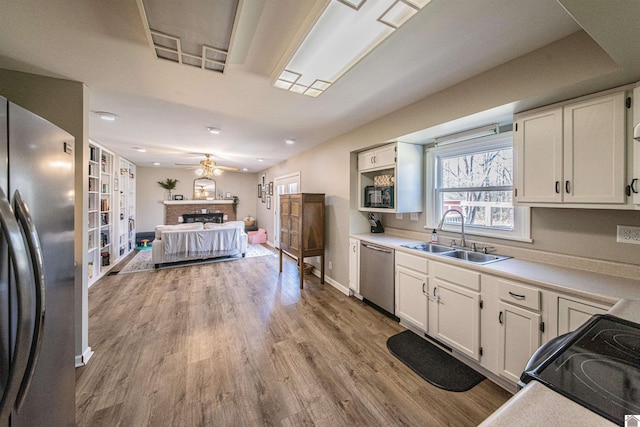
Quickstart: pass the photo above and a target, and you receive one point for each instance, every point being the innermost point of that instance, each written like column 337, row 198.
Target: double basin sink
column 461, row 254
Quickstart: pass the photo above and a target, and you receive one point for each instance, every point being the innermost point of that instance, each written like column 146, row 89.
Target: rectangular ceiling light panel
column 345, row 33
column 195, row 33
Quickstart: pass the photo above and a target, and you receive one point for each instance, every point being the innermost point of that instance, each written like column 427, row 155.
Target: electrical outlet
column 398, row 216
column 330, row 265
column 628, row 234
column 414, row 216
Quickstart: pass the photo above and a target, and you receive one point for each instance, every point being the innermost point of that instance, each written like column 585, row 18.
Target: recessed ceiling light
column 215, row 131
column 140, row 149
column 156, row 163
column 105, row 115
column 261, row 160
column 290, row 141
column 245, row 169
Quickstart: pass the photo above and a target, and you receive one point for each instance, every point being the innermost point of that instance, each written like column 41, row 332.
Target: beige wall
column 149, row 207
column 571, row 67
column 66, row 104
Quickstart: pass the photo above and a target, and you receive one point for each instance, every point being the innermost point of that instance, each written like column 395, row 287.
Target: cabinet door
column 572, row 314
column 594, row 149
column 411, row 297
column 518, row 340
column 354, row 265
column 295, row 206
column 635, row 185
column 366, row 160
column 285, row 211
column 386, row 156
column 457, row 318
column 538, row 157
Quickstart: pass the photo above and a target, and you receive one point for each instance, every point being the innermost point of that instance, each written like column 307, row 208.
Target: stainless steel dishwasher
column 377, row 276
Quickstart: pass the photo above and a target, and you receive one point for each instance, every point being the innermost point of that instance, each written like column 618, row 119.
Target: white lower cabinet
column 572, row 314
column 455, row 308
column 518, row 339
column 354, row 265
column 411, row 289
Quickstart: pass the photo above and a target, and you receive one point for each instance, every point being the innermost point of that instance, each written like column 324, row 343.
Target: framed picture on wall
column 259, row 190
column 268, row 202
column 271, row 188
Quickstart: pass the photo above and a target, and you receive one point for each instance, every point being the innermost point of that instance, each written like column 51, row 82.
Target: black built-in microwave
column 378, row 196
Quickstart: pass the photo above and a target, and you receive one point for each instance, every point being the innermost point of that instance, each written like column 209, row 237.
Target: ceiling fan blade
column 187, row 164
column 228, row 168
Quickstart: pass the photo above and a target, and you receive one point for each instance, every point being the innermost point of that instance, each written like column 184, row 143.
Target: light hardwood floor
column 236, row 344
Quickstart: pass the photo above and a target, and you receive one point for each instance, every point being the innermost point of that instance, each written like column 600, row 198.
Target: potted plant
column 236, row 200
column 168, row 184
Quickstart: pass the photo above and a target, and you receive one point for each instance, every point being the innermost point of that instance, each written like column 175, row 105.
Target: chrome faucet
column 463, row 242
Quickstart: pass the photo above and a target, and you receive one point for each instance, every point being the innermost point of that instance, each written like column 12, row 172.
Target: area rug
column 142, row 260
column 432, row 363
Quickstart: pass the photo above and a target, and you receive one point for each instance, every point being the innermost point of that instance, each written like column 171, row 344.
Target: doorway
column 286, row 184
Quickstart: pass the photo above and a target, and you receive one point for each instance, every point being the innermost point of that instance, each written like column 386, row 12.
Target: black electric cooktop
column 598, row 367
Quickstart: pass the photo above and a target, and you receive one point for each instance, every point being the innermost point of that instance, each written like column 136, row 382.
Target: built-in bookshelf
column 127, row 207
column 93, row 211
column 100, row 211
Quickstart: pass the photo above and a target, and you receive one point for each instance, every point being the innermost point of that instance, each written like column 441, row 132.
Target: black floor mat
column 432, row 363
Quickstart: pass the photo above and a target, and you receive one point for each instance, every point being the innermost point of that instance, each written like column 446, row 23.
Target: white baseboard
column 83, row 358
column 329, row 280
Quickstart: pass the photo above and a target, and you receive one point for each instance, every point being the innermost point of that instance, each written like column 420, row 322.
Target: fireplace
column 217, row 217
column 175, row 210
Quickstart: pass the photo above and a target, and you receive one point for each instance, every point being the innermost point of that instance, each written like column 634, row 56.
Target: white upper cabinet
column 390, row 178
column 538, row 156
column 377, row 158
column 573, row 154
column 594, row 160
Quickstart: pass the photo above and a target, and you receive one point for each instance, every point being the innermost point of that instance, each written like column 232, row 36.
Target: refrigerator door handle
column 37, row 261
column 23, row 281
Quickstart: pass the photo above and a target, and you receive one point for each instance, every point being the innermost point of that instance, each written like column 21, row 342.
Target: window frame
column 522, row 215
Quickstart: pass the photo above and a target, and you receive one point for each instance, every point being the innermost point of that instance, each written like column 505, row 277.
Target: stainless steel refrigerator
column 37, row 299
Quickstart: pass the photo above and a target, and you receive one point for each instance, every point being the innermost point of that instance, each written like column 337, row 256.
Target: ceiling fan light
column 217, row 172
column 199, row 171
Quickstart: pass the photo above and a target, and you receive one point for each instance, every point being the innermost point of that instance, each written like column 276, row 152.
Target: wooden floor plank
column 237, row 343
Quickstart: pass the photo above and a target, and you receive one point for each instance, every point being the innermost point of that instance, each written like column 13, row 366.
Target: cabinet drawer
column 460, row 276
column 518, row 294
column 411, row 261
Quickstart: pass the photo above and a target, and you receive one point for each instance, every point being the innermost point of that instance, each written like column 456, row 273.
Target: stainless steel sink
column 429, row 247
column 474, row 257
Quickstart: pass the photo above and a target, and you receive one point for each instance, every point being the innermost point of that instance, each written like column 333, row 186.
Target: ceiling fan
column 208, row 168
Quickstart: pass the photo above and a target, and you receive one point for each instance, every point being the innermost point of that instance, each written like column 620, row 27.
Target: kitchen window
column 475, row 177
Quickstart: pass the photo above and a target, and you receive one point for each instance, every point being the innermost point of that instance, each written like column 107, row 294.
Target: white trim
column 345, row 290
column 522, row 225
column 276, row 204
column 83, row 359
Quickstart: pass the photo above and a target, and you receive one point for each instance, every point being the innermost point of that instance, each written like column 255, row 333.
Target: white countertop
column 596, row 286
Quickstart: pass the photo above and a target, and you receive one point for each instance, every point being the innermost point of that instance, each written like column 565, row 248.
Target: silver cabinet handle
column 23, row 282
column 376, row 248
column 37, row 261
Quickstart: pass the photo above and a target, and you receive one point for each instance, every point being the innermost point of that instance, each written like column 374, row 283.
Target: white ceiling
column 166, row 107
